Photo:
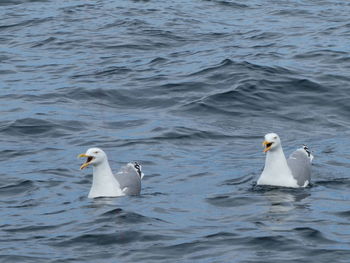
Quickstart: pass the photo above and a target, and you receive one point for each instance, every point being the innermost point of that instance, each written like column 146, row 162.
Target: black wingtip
column 307, row 150
column 138, row 168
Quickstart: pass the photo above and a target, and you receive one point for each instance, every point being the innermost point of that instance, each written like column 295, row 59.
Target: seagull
column 106, row 184
column 279, row 171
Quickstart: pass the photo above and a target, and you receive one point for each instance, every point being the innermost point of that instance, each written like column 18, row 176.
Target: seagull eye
column 275, row 137
column 96, row 152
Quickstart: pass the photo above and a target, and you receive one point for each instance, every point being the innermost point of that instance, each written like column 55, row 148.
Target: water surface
column 188, row 89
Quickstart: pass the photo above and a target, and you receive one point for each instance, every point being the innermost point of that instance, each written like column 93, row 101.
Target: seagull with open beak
column 279, row 171
column 106, row 184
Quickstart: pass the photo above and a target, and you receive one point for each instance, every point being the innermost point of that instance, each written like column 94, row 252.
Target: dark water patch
column 123, row 217
column 11, row 154
column 4, row 27
column 275, row 96
column 267, row 46
column 229, row 4
column 17, row 188
column 128, row 22
column 200, row 108
column 322, row 54
column 33, row 228
column 43, row 42
column 178, row 249
column 19, row 258
column 155, row 194
column 119, row 98
column 124, row 124
column 30, row 22
column 334, row 182
column 267, row 188
column 200, row 174
column 282, row 195
column 266, row 35
column 293, row 12
column 244, row 68
column 164, row 35
column 182, row 88
column 34, row 127
column 220, row 235
column 130, row 46
column 183, row 133
column 113, row 212
column 223, row 64
column 239, row 180
column 272, row 242
column 7, row 71
column 229, row 200
column 28, row 203
column 157, row 61
column 123, row 237
column 103, row 73
column 312, row 234
column 55, row 212
column 142, row 1
column 56, row 171
column 345, row 214
column 80, row 7
column 329, row 254
column 45, row 98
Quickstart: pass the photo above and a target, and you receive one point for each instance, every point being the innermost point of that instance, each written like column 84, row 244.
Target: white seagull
column 106, row 184
column 278, row 171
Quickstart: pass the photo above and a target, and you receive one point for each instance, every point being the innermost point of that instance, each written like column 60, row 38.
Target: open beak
column 88, row 160
column 267, row 146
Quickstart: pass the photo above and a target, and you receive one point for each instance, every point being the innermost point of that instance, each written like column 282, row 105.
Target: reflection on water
column 283, row 200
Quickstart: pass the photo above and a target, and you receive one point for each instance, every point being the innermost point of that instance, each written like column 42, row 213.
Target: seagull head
column 272, row 141
column 94, row 156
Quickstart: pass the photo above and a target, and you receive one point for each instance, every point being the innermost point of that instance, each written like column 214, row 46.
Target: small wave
column 345, row 214
column 25, row 23
column 122, row 237
column 44, row 42
column 124, row 217
column 230, row 4
column 11, row 154
column 220, row 235
column 266, row 36
column 293, row 12
column 264, row 97
column 230, row 67
column 125, row 99
column 17, row 188
column 184, row 133
column 157, row 61
column 230, row 200
column 43, row 228
column 269, row 242
column 239, row 180
column 33, row 127
column 19, row 258
column 106, row 72
column 312, row 234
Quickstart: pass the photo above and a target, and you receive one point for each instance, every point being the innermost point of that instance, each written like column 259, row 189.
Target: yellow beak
column 86, row 164
column 265, row 143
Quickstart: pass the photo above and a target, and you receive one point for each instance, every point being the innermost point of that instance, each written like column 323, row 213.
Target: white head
column 94, row 156
column 272, row 142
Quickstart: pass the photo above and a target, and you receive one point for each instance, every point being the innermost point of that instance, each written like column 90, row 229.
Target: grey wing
column 299, row 163
column 129, row 179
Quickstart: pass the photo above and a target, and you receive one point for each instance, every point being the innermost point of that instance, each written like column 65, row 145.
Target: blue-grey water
column 188, row 89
